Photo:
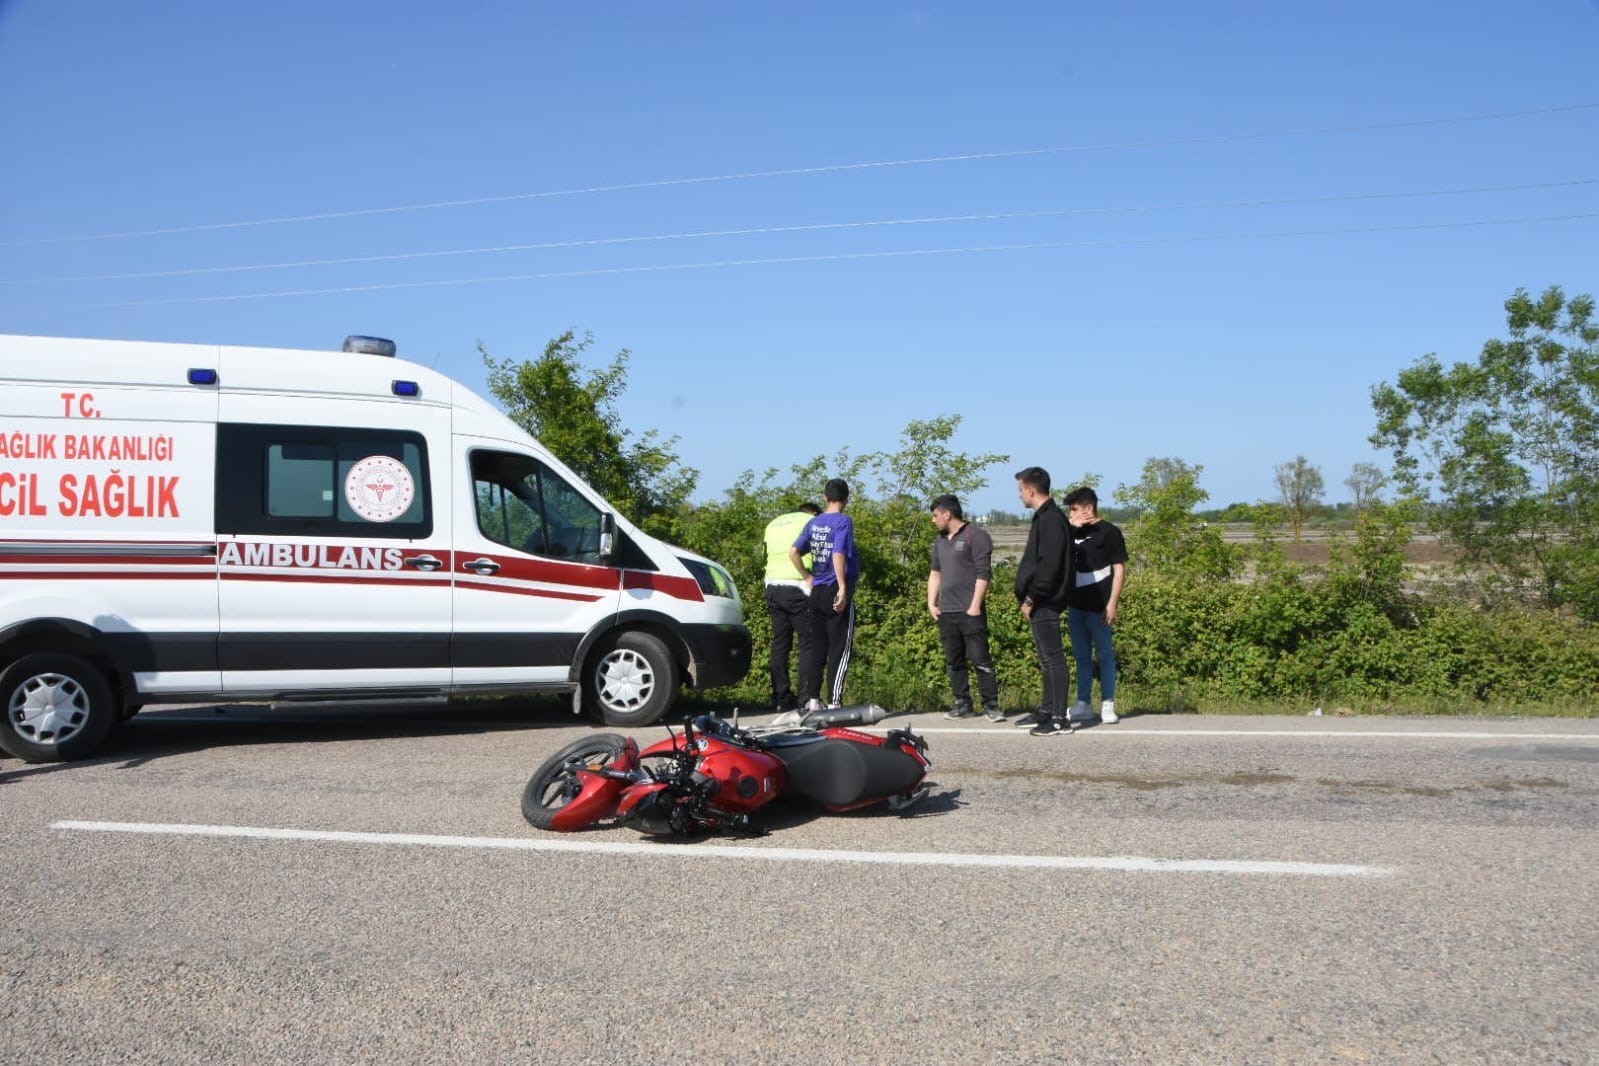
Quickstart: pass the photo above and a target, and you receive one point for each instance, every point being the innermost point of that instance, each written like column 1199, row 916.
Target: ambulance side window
column 523, row 504
column 298, row 480
column 322, row 480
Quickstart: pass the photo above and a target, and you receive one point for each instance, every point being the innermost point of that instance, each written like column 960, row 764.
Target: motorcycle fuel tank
column 746, row 779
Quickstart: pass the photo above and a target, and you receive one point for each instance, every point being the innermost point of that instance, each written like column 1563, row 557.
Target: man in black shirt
column 1042, row 582
column 1099, row 569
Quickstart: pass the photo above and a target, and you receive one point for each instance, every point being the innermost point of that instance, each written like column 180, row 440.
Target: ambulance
column 183, row 523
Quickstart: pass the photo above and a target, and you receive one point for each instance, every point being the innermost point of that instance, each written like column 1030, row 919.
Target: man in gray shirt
column 957, row 594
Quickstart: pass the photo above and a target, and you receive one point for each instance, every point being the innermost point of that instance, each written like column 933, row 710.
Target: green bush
column 1188, row 640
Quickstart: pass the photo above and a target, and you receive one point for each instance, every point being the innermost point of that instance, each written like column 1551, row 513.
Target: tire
column 553, row 785
column 56, row 707
column 630, row 681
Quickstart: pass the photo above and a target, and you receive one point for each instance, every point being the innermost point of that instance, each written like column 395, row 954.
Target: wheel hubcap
column 48, row 708
column 626, row 680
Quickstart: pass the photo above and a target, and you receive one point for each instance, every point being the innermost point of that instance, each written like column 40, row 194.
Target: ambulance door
column 334, row 547
column 529, row 582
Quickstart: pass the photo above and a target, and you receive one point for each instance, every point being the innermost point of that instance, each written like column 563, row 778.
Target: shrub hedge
column 1284, row 636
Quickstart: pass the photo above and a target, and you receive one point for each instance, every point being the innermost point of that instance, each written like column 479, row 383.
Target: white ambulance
column 186, row 522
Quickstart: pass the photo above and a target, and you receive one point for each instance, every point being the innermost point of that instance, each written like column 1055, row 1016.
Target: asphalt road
column 1119, row 895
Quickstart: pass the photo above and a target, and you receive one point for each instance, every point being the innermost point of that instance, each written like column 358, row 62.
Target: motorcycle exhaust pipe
column 856, row 714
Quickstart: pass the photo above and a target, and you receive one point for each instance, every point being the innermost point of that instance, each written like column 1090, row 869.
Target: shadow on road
column 157, row 733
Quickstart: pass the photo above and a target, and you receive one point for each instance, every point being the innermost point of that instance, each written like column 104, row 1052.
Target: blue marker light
column 202, row 376
column 407, row 388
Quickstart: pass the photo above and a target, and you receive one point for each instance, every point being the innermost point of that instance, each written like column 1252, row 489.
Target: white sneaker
column 1107, row 713
column 1081, row 712
column 813, row 706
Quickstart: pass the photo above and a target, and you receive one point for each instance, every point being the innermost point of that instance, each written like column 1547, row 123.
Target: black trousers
column 790, row 613
column 832, row 633
column 965, row 640
column 1051, row 660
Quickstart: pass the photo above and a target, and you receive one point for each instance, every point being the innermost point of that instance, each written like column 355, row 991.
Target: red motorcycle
column 714, row 775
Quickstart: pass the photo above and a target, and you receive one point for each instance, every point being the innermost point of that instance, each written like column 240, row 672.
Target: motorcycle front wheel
column 555, row 783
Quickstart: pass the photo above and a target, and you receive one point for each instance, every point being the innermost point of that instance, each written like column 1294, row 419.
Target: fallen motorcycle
column 714, row 775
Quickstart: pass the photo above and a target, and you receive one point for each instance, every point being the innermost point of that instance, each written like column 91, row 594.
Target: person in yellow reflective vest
column 787, row 600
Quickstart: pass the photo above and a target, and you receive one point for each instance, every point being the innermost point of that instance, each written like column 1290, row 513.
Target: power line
column 548, row 275
column 997, row 216
column 824, row 169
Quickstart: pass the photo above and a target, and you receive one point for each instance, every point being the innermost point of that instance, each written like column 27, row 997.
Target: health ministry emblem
column 379, row 489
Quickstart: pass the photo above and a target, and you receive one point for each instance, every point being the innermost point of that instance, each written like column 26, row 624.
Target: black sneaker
column 1028, row 720
column 995, row 714
column 1050, row 727
column 961, row 710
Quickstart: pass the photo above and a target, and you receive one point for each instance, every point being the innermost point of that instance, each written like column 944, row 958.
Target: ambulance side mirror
column 607, row 535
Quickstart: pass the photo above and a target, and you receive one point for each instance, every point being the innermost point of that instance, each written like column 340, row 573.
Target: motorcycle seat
column 843, row 773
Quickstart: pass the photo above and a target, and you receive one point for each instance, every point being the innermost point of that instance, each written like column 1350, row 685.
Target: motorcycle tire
column 554, row 784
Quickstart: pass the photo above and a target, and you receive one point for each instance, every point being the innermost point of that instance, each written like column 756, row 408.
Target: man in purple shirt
column 829, row 538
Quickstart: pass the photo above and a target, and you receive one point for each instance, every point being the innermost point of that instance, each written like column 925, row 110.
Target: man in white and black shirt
column 1099, row 569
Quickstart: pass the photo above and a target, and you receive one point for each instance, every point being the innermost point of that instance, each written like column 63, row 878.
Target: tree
column 1299, row 485
column 925, row 466
column 1364, row 483
column 1506, row 449
column 573, row 414
column 1167, row 534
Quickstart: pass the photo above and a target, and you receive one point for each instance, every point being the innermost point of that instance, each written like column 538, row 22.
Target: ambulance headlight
column 712, row 579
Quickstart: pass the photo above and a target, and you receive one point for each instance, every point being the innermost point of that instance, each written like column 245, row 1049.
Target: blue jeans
column 1091, row 638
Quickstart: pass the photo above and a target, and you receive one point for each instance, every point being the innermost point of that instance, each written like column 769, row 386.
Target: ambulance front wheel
column 56, row 707
column 631, row 680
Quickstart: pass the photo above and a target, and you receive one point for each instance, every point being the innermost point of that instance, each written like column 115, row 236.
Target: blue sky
column 1145, row 293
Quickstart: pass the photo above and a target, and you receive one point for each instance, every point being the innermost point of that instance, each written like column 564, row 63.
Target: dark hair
column 836, row 491
column 1083, row 495
column 948, row 503
column 1035, row 478
column 809, row 508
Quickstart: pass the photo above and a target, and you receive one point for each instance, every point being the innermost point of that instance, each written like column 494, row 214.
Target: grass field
column 1313, row 549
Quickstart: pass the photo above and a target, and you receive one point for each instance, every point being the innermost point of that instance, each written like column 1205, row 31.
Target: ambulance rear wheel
column 631, row 680
column 56, row 707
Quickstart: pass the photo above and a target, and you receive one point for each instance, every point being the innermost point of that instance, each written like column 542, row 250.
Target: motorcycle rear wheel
column 555, row 783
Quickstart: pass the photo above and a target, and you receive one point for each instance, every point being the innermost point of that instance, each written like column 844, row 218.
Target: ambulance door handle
column 482, row 567
column 425, row 563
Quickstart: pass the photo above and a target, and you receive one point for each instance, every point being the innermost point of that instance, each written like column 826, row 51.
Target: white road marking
column 1118, row 863
column 1418, row 734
